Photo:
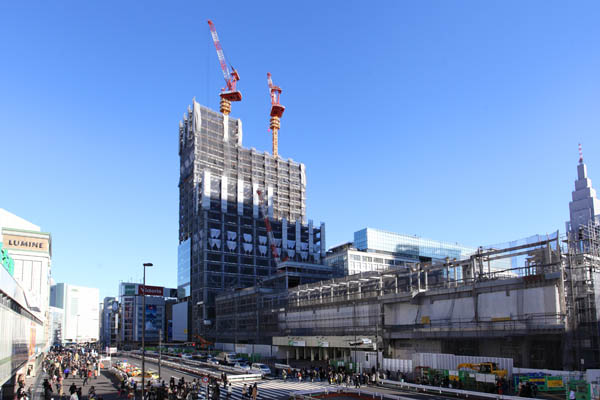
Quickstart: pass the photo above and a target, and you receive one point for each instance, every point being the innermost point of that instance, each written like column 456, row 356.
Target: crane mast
column 263, row 210
column 276, row 112
column 230, row 93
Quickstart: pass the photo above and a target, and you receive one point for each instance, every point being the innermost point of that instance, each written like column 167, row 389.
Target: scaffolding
column 582, row 289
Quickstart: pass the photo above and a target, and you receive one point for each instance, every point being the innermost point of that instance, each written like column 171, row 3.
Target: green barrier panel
column 581, row 389
column 554, row 384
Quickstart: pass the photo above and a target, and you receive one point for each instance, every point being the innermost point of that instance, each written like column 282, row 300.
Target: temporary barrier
column 451, row 361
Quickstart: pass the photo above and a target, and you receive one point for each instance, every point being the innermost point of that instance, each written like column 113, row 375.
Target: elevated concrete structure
column 459, row 307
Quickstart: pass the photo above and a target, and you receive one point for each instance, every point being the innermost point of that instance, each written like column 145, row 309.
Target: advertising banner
column 152, row 322
column 150, row 290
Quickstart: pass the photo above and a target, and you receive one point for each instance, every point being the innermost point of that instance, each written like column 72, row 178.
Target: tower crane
column 276, row 113
column 230, row 93
column 263, row 209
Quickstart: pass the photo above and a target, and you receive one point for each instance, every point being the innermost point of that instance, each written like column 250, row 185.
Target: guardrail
column 444, row 390
column 373, row 393
column 203, row 371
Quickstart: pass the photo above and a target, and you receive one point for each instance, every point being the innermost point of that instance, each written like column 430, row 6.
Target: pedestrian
column 229, row 390
column 572, row 394
column 254, row 391
column 244, row 391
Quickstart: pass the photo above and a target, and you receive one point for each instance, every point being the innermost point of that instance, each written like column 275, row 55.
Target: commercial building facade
column 222, row 234
column 81, row 316
column 131, row 317
column 25, row 265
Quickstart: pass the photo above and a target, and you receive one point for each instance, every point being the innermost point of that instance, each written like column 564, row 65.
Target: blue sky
column 453, row 120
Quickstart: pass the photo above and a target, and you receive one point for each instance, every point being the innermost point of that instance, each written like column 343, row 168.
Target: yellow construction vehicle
column 485, row 368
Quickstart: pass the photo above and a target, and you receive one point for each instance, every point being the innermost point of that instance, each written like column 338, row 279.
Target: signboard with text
column 25, row 243
column 150, row 290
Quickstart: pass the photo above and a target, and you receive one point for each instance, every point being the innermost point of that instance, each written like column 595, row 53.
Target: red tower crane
column 276, row 113
column 269, row 230
column 230, row 93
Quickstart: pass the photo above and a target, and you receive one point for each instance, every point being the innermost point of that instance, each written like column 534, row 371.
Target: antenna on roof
column 580, row 154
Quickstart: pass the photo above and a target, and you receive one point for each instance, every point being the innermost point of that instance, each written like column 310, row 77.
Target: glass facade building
column 183, row 268
column 410, row 247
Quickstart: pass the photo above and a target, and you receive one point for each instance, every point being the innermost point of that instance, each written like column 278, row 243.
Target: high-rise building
column 109, row 322
column 584, row 206
column 222, row 235
column 81, row 313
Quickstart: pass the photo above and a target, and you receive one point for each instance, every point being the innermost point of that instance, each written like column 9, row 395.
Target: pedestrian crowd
column 341, row 376
column 78, row 363
column 207, row 388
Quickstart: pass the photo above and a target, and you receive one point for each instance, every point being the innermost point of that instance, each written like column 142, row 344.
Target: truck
column 485, row 368
column 227, row 358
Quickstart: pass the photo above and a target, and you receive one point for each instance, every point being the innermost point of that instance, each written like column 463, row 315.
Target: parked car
column 186, row 356
column 264, row 370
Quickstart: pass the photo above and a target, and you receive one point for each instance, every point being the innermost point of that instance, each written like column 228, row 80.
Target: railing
column 309, row 394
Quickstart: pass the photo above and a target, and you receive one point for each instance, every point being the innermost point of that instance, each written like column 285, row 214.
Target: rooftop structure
column 414, row 247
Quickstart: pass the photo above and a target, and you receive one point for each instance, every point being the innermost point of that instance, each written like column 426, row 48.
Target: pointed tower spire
column 580, row 154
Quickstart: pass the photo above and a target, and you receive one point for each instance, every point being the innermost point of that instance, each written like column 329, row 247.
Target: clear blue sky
column 454, row 120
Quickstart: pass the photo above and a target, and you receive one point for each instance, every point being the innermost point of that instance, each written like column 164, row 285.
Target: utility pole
column 144, row 329
column 159, row 350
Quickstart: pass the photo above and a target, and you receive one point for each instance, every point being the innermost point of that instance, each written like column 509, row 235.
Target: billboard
column 150, row 290
column 153, row 323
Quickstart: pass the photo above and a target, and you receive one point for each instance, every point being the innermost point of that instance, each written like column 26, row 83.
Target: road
column 277, row 389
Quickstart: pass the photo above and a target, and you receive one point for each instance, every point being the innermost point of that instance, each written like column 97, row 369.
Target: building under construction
column 222, row 233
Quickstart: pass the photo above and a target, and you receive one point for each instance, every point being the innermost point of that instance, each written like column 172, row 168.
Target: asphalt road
column 275, row 389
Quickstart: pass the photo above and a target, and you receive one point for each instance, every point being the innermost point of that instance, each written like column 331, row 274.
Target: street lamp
column 144, row 328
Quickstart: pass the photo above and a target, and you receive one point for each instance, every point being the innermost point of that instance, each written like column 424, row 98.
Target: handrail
column 306, row 394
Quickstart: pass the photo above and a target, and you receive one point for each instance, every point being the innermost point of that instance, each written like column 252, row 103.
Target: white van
column 261, row 368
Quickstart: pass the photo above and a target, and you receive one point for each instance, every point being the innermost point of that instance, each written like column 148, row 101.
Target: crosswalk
column 274, row 389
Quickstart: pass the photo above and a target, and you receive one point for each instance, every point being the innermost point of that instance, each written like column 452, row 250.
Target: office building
column 411, row 247
column 57, row 318
column 131, row 317
column 378, row 250
column 80, row 305
column 222, row 234
column 109, row 322
column 584, row 207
